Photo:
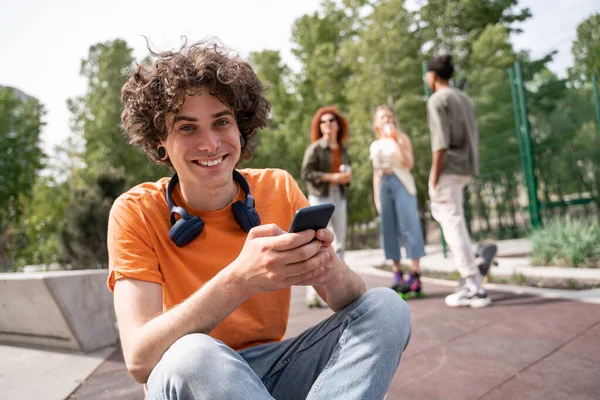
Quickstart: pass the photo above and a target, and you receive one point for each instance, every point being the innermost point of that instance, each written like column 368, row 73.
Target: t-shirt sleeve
column 297, row 199
column 373, row 156
column 438, row 125
column 372, row 151
column 130, row 250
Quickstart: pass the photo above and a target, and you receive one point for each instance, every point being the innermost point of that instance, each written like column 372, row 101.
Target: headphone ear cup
column 246, row 217
column 186, row 230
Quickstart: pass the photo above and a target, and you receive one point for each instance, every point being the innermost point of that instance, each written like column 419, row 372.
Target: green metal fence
column 538, row 159
column 561, row 149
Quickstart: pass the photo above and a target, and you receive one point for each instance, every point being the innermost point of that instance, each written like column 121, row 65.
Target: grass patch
column 567, row 242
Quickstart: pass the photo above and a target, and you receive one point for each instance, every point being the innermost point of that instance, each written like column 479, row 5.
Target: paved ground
column 522, row 347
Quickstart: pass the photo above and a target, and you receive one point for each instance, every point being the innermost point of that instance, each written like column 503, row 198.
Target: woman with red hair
column 326, row 171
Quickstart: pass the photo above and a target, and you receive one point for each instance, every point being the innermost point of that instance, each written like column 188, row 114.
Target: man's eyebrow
column 192, row 119
column 221, row 113
column 184, row 118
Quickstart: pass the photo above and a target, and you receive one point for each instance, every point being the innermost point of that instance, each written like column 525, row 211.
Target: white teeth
column 210, row 163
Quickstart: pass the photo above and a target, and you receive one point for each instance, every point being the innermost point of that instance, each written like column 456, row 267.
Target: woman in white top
column 395, row 192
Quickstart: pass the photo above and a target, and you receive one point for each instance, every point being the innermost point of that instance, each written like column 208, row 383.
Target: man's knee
column 189, row 356
column 391, row 315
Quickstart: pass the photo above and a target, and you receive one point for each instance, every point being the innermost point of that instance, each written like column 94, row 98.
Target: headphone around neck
column 188, row 227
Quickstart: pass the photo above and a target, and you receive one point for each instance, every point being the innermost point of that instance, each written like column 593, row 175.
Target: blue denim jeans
column 351, row 355
column 400, row 225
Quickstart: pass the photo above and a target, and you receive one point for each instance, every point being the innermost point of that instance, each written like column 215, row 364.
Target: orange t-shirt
column 336, row 159
column 139, row 247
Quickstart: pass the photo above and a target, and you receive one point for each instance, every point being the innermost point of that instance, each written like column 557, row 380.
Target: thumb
column 268, row 230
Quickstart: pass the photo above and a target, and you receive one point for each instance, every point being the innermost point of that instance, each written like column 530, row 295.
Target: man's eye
column 186, row 128
column 222, row 122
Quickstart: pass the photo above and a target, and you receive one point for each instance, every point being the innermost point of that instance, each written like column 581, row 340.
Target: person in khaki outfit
column 454, row 143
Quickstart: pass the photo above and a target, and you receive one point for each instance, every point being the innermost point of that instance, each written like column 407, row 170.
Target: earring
column 161, row 153
column 242, row 140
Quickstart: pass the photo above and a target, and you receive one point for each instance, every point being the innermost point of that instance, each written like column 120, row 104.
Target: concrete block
column 69, row 310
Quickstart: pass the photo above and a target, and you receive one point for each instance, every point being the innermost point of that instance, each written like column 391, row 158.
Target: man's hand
column 273, row 259
column 332, row 268
column 433, row 183
column 338, row 285
column 439, row 159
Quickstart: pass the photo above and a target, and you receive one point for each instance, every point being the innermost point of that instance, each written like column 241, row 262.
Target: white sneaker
column 465, row 297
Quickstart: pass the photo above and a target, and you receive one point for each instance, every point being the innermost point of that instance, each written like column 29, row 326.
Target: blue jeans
column 351, row 355
column 400, row 223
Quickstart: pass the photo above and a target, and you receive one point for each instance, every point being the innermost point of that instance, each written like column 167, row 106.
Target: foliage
column 586, row 50
column 281, row 137
column 356, row 54
column 567, row 242
column 20, row 160
column 83, row 235
column 566, row 147
column 41, row 222
column 386, row 71
column 492, row 193
column 97, row 116
column 454, row 26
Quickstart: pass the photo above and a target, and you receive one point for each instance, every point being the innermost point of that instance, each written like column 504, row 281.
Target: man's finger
column 265, row 231
column 303, row 266
column 325, row 235
column 289, row 241
column 295, row 259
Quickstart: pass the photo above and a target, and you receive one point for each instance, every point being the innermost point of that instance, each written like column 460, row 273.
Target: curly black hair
column 153, row 91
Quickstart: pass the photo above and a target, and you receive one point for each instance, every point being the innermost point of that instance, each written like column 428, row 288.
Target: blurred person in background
column 394, row 192
column 454, row 144
column 327, row 173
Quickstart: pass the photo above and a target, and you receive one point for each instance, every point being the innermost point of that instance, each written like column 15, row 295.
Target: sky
column 42, row 43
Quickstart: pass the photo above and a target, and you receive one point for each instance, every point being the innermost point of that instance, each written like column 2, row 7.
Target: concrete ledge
column 69, row 310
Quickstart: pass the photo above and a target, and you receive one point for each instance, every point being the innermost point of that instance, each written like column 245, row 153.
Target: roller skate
column 411, row 289
column 397, row 281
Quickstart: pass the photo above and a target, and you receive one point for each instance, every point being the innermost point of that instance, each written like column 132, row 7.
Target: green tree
column 586, row 50
column 295, row 97
column 42, row 221
column 453, row 26
column 20, row 160
column 279, row 145
column 83, row 234
column 97, row 116
column 565, row 145
column 317, row 40
column 386, row 70
column 500, row 167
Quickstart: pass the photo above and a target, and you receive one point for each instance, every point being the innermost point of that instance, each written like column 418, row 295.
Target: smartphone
column 313, row 217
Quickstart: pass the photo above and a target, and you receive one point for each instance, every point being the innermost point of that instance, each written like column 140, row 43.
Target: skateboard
column 485, row 257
